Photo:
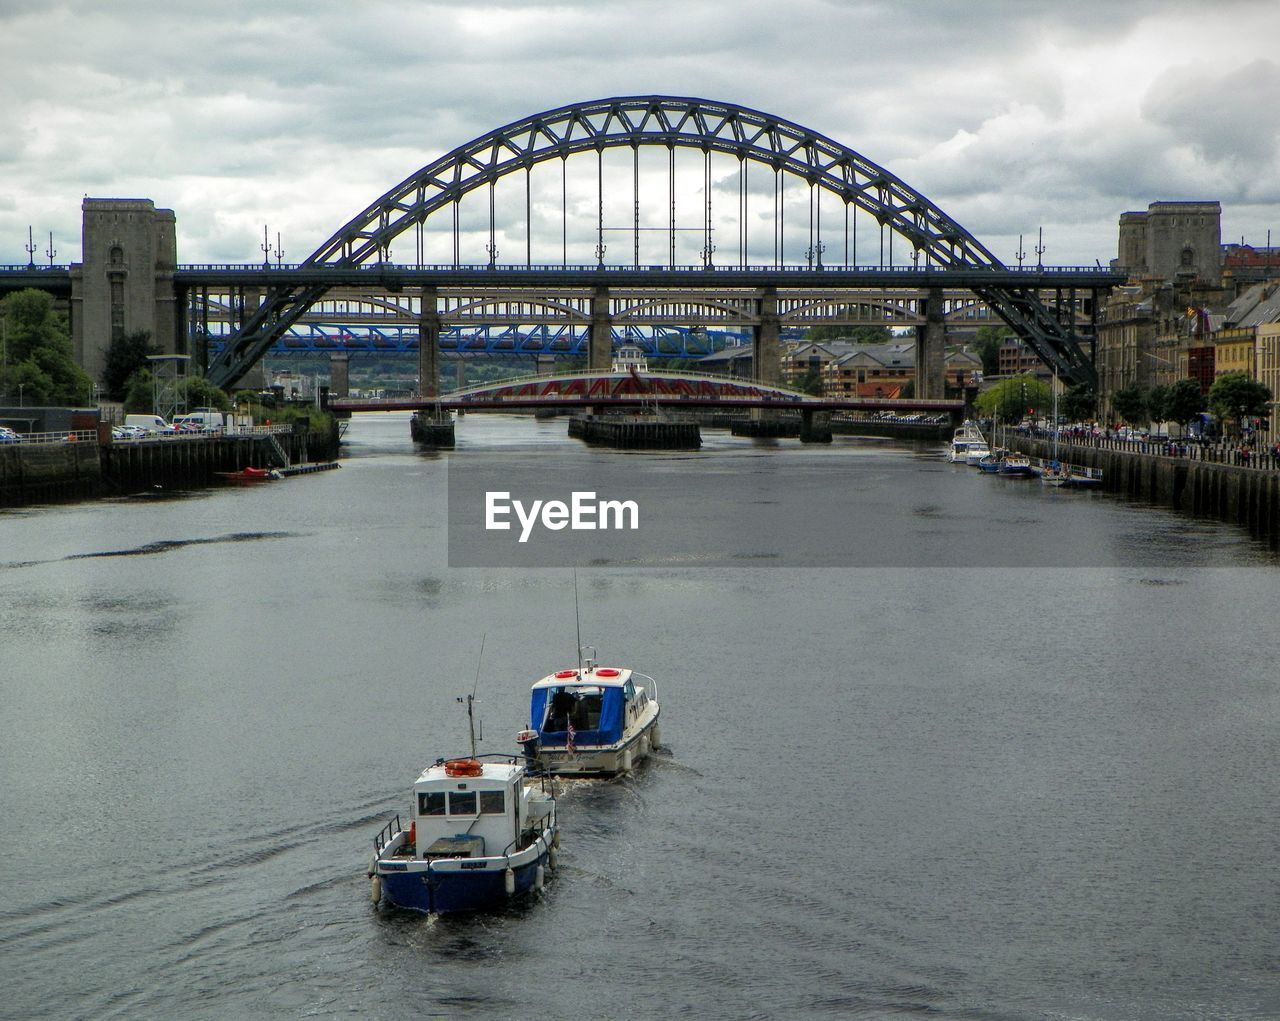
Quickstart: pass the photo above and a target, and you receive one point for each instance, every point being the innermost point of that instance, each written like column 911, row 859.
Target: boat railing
column 386, row 835
column 647, row 684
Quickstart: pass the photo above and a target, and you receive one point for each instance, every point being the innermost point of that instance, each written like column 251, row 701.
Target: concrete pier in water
column 635, row 432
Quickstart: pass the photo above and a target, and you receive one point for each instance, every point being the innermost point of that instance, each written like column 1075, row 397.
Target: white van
column 148, row 423
column 204, row 419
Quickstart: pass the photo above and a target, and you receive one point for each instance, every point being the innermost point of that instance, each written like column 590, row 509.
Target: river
column 1014, row 756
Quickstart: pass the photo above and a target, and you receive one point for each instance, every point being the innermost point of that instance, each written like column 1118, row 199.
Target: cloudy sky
column 1011, row 116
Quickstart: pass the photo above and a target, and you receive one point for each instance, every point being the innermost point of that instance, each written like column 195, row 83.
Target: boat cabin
column 600, row 702
column 463, row 808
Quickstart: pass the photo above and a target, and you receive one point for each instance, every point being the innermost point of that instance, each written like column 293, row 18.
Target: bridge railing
column 373, row 268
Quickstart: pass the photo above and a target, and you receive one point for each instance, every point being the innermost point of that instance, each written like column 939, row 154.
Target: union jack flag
column 569, row 745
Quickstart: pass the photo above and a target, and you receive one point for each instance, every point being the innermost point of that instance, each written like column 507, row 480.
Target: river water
column 1019, row 760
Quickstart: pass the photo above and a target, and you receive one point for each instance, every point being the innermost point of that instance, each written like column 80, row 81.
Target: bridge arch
column 671, row 122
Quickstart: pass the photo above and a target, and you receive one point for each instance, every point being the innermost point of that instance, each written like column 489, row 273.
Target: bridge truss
column 786, row 149
column 670, row 323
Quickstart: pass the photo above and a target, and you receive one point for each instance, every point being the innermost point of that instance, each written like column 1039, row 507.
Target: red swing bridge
column 634, row 390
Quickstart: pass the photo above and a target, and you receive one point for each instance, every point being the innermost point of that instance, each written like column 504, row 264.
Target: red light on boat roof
column 608, row 671
column 566, row 673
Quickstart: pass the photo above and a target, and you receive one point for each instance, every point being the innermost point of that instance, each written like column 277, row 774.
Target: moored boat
column 481, row 832
column 249, row 475
column 994, row 461
column 591, row 721
column 1017, row 466
column 963, row 440
column 1070, row 476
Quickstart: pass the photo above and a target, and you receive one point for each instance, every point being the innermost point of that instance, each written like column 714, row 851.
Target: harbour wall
column 1245, row 496
column 83, row 469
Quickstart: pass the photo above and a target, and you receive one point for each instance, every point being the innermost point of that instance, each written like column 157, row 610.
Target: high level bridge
column 645, row 213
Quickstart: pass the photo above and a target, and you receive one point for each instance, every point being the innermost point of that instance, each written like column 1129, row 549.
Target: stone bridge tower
column 125, row 282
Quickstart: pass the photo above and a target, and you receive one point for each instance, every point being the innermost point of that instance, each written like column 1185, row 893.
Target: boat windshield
column 580, row 706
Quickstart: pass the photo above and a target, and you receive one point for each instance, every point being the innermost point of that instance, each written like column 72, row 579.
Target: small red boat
column 250, row 475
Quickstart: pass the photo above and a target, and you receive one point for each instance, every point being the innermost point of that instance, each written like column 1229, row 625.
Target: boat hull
column 453, row 886
column 595, row 760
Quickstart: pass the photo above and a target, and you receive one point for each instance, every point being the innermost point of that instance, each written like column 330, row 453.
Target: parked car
column 7, row 435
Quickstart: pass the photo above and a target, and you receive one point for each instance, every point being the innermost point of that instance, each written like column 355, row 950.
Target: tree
column 987, row 344
column 38, row 359
column 1158, row 398
column 191, row 392
column 1129, row 404
column 853, row 334
column 125, row 356
column 810, row 383
column 1237, row 395
column 1078, row 403
column 1185, row 402
column 1011, row 399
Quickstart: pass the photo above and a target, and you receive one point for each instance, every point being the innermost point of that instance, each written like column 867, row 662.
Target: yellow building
column 1267, row 359
column 1235, row 348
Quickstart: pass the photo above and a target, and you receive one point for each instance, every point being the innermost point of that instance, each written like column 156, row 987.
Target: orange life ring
column 463, row 767
column 608, row 671
column 566, row 673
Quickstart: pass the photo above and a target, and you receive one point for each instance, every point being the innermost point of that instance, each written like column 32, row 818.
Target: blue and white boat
column 1018, row 466
column 993, row 461
column 591, row 721
column 481, row 832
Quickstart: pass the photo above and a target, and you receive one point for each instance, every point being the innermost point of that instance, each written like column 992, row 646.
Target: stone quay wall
column 1242, row 495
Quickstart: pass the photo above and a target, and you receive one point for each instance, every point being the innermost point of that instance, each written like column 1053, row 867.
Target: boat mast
column 470, row 700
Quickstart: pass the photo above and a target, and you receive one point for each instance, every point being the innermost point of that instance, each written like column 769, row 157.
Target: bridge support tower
column 930, row 341
column 340, row 374
column 766, row 345
column 600, row 332
column 429, row 345
column 125, row 282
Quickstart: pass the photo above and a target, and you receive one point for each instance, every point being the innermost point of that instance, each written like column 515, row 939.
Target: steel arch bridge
column 669, row 122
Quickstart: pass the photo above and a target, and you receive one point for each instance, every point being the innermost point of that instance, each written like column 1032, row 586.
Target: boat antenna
column 577, row 618
column 471, row 720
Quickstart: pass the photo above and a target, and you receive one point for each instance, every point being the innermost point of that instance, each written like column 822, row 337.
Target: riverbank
column 1183, row 481
column 83, row 468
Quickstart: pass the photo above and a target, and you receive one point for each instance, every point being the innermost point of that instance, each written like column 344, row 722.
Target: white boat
column 591, row 721
column 480, row 833
column 968, row 437
column 976, row 452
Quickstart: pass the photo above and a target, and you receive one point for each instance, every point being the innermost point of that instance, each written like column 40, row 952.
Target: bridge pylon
column 429, row 344
column 600, row 332
column 931, row 338
column 766, row 342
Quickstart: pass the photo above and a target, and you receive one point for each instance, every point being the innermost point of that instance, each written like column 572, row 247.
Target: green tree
column 987, row 343
column 1129, row 404
column 853, row 334
column 1185, row 402
column 192, row 392
column 810, row 383
column 1235, row 396
column 1078, row 403
column 1011, row 399
column 38, row 362
column 125, row 356
column 198, row 392
column 1158, row 400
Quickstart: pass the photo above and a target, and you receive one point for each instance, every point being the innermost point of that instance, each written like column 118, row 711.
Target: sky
column 1041, row 119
